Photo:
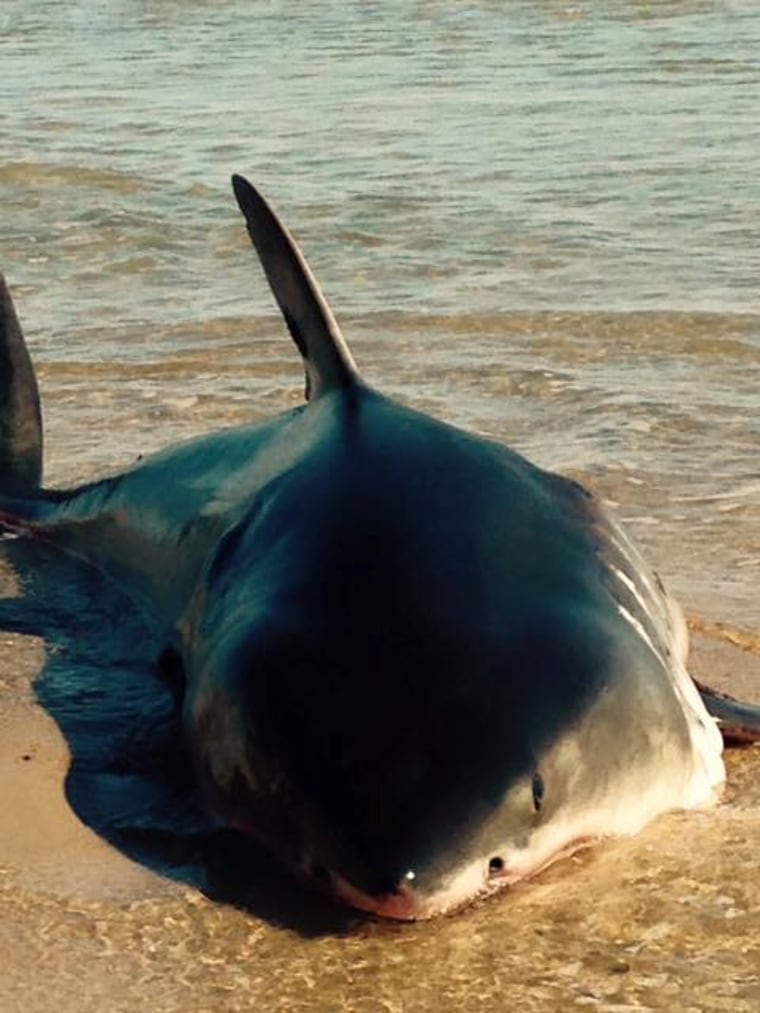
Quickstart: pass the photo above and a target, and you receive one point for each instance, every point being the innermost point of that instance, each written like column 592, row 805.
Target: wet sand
column 667, row 920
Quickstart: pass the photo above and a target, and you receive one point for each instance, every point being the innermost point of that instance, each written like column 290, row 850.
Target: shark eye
column 495, row 866
column 537, row 786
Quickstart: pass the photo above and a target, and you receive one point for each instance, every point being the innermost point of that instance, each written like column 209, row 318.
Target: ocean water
column 537, row 219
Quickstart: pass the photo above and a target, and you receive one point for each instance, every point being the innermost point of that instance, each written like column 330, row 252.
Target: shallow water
column 538, row 220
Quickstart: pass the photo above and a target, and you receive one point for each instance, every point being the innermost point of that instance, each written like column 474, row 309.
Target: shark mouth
column 473, row 883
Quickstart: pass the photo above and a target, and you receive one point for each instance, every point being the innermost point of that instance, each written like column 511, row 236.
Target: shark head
column 407, row 674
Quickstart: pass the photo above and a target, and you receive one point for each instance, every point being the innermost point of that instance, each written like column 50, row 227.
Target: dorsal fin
column 20, row 418
column 328, row 363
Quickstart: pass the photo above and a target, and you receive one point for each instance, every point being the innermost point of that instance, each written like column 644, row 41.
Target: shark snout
column 404, row 902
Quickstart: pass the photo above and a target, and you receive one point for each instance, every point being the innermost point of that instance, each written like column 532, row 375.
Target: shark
column 413, row 664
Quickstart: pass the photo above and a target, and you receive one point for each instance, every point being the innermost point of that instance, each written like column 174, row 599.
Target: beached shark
column 415, row 665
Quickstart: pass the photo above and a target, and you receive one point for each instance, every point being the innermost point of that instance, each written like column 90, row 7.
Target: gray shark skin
column 414, row 665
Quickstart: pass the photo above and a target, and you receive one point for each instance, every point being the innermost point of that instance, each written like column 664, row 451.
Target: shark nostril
column 495, row 866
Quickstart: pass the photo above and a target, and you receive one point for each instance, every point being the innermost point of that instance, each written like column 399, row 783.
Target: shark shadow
column 130, row 778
